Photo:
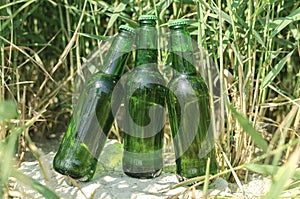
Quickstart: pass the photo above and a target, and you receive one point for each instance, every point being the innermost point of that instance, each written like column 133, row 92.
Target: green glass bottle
column 93, row 118
column 144, row 107
column 189, row 109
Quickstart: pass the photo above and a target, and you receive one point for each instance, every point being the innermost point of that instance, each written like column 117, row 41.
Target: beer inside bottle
column 144, row 107
column 92, row 119
column 189, row 108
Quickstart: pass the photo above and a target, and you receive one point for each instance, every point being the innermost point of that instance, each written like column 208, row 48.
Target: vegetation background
column 255, row 45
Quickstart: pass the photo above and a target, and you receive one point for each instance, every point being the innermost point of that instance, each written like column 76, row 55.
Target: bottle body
column 189, row 113
column 87, row 132
column 142, row 156
column 144, row 105
column 188, row 103
column 92, row 119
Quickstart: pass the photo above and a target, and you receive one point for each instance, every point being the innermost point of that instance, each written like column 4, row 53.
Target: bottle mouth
column 127, row 28
column 147, row 17
column 179, row 22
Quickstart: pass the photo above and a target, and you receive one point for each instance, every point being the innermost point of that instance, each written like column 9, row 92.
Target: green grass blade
column 262, row 169
column 34, row 184
column 112, row 20
column 131, row 22
column 121, row 7
column 295, row 31
column 163, row 5
column 8, row 110
column 7, row 151
column 6, row 5
column 224, row 15
column 275, row 71
column 283, row 22
column 91, row 36
column 268, row 170
column 248, row 128
column 283, row 175
column 259, row 39
column 206, row 181
column 294, row 185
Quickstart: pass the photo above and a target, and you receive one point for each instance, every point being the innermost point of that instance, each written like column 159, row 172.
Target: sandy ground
column 110, row 182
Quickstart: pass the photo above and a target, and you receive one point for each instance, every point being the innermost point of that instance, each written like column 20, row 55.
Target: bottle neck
column 146, row 43
column 182, row 51
column 118, row 54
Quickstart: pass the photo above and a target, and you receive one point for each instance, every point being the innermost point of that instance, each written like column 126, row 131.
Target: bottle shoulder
column 188, row 84
column 145, row 76
column 101, row 80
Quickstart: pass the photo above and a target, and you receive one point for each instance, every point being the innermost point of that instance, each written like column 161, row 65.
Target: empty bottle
column 144, row 107
column 92, row 119
column 189, row 109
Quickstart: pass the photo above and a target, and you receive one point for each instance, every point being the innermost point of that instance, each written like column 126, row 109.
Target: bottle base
column 76, row 176
column 147, row 175
column 180, row 178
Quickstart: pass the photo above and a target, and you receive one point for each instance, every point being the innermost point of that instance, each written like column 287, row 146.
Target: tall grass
column 254, row 45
